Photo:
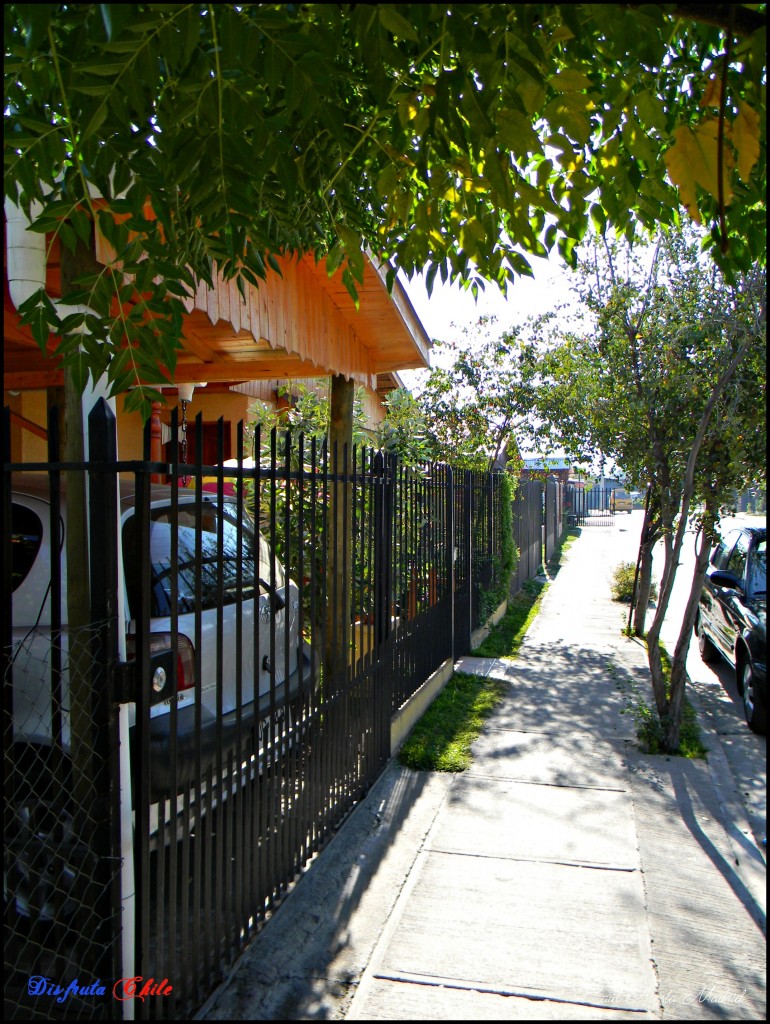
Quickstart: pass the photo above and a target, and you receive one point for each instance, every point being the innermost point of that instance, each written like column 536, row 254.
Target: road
column 714, row 685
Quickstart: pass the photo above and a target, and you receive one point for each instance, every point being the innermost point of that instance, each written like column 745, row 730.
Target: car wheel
column 752, row 703
column 708, row 651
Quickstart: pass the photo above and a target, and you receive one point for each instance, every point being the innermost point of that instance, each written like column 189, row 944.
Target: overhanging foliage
column 458, row 139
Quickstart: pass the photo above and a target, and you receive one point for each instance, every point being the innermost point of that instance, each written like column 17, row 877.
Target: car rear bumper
column 196, row 749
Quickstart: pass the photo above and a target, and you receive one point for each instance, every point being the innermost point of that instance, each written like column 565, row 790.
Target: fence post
column 7, row 628
column 450, row 554
column 103, row 520
column 464, row 607
column 381, row 525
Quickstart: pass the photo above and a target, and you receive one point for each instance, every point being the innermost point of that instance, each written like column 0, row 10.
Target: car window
column 207, row 569
column 722, row 551
column 26, row 538
column 758, row 569
column 736, row 563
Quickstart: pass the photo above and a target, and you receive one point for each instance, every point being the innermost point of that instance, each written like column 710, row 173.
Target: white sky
column 449, row 309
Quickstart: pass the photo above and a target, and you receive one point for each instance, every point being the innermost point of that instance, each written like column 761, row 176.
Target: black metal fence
column 185, row 731
column 552, row 517
column 589, row 506
column 527, row 532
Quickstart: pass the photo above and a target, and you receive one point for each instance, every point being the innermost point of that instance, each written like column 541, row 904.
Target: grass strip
column 508, row 635
column 441, row 740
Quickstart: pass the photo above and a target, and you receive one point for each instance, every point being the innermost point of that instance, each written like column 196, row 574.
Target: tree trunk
column 679, row 660
column 644, row 586
column 657, row 673
column 73, row 266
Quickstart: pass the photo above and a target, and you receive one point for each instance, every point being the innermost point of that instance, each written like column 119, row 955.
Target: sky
column 449, row 309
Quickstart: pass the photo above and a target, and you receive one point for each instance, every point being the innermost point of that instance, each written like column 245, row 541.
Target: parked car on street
column 621, row 501
column 731, row 619
column 217, row 594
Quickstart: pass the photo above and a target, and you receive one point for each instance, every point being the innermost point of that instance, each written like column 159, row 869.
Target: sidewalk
column 565, row 876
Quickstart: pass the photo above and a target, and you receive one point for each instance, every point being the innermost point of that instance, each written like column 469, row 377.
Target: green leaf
column 115, row 17
column 745, row 138
column 598, row 218
column 274, row 264
column 334, row 258
column 570, row 80
column 396, row 23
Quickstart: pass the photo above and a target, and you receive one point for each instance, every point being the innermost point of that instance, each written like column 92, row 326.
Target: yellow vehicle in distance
column 621, row 501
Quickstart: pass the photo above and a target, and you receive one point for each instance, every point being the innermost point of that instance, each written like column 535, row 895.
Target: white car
column 234, row 580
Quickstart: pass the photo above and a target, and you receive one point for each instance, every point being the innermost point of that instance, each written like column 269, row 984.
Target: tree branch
column 747, row 21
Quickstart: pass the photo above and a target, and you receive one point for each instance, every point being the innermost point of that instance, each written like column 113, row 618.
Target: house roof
column 301, row 323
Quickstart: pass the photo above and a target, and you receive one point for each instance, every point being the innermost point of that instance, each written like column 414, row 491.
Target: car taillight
column 160, row 653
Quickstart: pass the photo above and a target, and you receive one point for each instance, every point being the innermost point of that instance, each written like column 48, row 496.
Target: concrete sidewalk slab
column 563, row 690
column 572, row 759
column 707, row 933
column 485, row 817
column 519, row 928
column 445, row 1002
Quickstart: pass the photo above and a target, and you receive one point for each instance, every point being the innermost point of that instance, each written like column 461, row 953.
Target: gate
column 589, row 506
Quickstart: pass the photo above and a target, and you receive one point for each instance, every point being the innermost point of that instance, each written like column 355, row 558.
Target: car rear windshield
column 206, row 565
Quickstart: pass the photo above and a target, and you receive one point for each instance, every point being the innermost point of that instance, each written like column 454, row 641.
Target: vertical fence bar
column 9, row 775
column 202, row 785
column 104, row 614
column 237, row 923
column 140, row 754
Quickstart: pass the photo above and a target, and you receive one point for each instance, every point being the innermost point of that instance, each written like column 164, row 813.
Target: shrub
column 622, row 586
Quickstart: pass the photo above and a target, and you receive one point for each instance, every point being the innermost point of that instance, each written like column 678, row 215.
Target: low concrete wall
column 402, row 723
column 479, row 635
column 404, row 720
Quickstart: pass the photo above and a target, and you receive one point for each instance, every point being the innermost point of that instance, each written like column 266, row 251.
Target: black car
column 732, row 616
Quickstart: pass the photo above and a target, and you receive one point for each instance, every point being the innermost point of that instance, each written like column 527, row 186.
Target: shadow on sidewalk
column 317, row 945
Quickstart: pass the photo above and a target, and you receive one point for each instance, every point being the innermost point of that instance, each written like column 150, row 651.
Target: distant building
column 540, row 468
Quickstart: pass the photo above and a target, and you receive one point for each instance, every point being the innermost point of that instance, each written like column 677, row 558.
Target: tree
column 403, row 432
column 669, row 383
column 471, row 407
column 458, row 139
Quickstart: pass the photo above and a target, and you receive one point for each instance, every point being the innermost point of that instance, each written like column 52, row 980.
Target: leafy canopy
column 457, row 139
column 661, row 325
column 473, row 405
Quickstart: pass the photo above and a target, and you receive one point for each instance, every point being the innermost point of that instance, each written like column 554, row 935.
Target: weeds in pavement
column 649, row 730
column 622, row 586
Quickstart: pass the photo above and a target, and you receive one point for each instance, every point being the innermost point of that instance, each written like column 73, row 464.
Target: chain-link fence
column 58, row 875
